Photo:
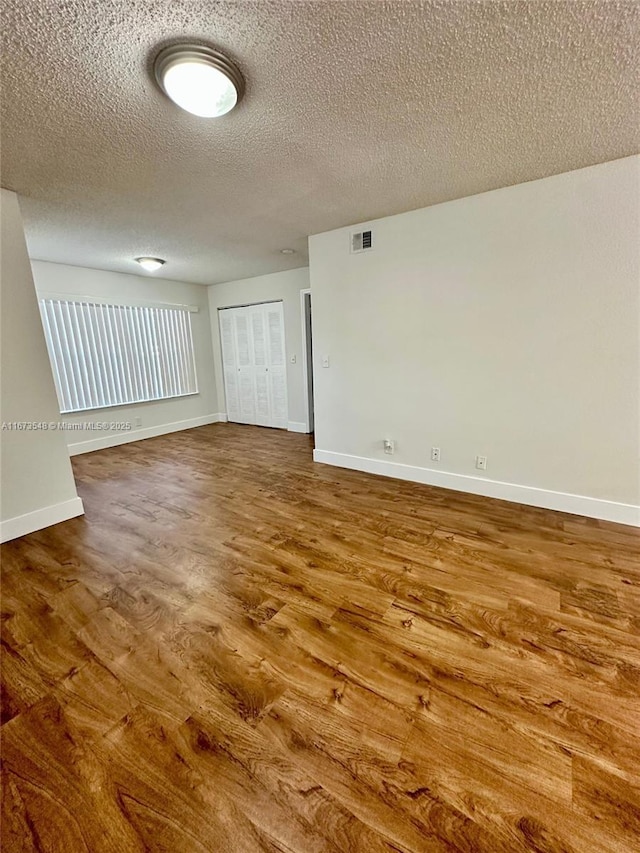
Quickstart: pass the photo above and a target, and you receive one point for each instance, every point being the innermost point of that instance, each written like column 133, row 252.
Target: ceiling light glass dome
column 150, row 264
column 199, row 79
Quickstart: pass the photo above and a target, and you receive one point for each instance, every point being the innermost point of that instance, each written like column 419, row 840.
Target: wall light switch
column 325, row 361
column 292, row 359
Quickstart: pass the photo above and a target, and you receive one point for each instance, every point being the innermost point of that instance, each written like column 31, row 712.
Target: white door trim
column 305, row 365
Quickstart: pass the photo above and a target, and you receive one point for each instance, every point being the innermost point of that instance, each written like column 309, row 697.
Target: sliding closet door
column 254, row 364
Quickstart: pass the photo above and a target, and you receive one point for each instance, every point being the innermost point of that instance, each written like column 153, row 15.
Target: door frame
column 307, row 369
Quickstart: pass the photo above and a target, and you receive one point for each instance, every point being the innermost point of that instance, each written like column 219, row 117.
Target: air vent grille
column 361, row 241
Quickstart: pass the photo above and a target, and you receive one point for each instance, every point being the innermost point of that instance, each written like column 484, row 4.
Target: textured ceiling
column 353, row 110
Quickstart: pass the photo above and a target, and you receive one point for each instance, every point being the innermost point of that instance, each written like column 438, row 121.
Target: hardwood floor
column 237, row 650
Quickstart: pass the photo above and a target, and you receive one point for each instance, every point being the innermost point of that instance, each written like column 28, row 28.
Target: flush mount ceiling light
column 150, row 264
column 198, row 79
column 287, row 251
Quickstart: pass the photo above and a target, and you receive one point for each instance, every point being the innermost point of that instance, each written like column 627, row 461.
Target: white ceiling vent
column 361, row 241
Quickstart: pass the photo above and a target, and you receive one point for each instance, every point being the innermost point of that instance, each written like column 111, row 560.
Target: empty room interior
column 320, row 403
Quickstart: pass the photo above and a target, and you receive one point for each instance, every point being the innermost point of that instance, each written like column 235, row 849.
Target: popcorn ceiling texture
column 353, row 110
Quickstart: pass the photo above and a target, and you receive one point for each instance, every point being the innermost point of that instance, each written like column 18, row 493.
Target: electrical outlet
column 435, row 454
column 389, row 445
column 481, row 463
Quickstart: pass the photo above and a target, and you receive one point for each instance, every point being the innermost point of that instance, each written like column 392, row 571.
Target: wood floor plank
column 237, row 650
column 59, row 785
column 608, row 797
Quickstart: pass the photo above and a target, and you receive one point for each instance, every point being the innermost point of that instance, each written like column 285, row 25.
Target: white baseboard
column 529, row 495
column 20, row 525
column 114, row 439
column 297, row 426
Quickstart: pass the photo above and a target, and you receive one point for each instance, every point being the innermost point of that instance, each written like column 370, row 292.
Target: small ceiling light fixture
column 287, row 251
column 150, row 264
column 198, row 79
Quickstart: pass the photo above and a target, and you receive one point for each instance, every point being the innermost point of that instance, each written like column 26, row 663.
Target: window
column 111, row 355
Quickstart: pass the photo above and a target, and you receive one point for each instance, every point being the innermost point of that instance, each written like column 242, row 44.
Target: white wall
column 147, row 419
column 281, row 285
column 36, row 485
column 505, row 324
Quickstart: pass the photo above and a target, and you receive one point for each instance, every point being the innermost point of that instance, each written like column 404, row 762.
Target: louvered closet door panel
column 247, row 392
column 243, row 340
column 276, row 334
column 246, row 372
column 229, row 363
column 263, row 404
column 259, row 336
column 261, row 365
column 277, row 365
column 278, row 395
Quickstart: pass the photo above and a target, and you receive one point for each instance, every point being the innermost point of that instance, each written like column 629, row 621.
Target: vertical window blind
column 110, row 355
